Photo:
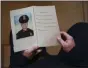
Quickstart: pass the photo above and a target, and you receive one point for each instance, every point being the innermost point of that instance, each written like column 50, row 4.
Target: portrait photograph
column 23, row 25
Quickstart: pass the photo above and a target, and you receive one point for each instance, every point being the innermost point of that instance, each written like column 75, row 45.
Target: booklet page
column 46, row 25
column 23, row 28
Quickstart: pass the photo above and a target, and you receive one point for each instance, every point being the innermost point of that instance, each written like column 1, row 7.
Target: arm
column 17, row 59
column 23, row 58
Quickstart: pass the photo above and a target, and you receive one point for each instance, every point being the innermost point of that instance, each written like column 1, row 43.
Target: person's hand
column 67, row 43
column 29, row 52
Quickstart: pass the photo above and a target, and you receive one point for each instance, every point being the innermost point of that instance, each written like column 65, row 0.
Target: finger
column 62, row 42
column 36, row 47
column 38, row 51
column 66, row 35
column 29, row 50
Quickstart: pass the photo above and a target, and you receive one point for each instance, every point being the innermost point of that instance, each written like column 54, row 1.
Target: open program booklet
column 34, row 26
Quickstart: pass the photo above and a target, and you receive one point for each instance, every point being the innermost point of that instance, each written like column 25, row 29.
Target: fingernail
column 39, row 50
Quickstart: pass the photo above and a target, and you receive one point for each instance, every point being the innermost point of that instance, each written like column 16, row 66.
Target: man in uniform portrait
column 25, row 32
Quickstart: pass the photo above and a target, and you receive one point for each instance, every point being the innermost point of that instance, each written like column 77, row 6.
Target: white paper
column 43, row 22
column 27, row 42
column 46, row 25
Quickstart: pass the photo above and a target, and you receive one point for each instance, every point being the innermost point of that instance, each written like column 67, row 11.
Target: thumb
column 61, row 41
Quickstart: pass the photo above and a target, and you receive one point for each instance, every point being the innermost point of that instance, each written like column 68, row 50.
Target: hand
column 28, row 53
column 68, row 44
